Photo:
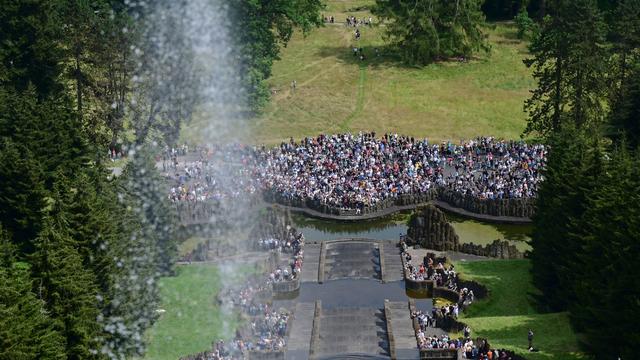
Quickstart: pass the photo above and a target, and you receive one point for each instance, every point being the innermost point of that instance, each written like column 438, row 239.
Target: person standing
column 530, row 338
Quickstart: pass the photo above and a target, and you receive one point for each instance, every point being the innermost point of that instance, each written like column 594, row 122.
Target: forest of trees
column 81, row 251
column 586, row 61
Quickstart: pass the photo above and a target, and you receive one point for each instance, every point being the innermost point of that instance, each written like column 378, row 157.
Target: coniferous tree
column 147, row 192
column 569, row 64
column 424, row 31
column 148, row 250
column 22, row 195
column 67, row 288
column 26, row 330
column 30, row 52
column 605, row 307
column 571, row 174
column 625, row 40
column 625, row 116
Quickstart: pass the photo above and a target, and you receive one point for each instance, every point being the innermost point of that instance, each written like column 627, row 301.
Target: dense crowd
column 478, row 350
column 292, row 246
column 442, row 275
column 267, row 332
column 266, row 326
column 214, row 173
column 355, row 171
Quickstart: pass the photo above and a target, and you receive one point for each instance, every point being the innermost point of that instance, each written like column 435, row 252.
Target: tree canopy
column 585, row 238
column 423, row 31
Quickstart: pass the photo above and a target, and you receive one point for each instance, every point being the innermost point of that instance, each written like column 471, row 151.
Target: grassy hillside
column 507, row 315
column 337, row 92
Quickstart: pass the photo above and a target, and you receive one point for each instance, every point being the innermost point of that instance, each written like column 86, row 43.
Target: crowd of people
column 350, row 171
column 478, row 350
column 267, row 332
column 267, row 326
column 215, row 173
column 292, row 246
column 441, row 275
column 353, row 21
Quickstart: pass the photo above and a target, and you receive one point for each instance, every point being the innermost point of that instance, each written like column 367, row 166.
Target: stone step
column 404, row 338
column 310, row 264
column 299, row 343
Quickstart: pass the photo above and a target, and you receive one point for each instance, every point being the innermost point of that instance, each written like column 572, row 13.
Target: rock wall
column 429, row 228
column 273, row 223
column 497, row 249
column 521, row 207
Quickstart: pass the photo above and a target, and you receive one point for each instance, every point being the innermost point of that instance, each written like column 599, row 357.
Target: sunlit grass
column 506, row 316
column 336, row 92
column 192, row 319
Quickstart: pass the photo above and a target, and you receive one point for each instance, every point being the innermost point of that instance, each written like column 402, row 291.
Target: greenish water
column 386, row 228
column 485, row 233
column 390, row 228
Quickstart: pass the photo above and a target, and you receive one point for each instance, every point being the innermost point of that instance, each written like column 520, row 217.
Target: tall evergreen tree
column 22, row 195
column 605, row 307
column 30, row 52
column 147, row 251
column 26, row 329
column 147, row 193
column 625, row 115
column 424, row 31
column 570, row 174
column 569, row 64
column 67, row 288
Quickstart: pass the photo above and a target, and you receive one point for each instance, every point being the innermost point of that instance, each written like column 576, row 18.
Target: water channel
column 390, row 228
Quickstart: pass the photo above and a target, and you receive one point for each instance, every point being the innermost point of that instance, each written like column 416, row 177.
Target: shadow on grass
column 385, row 56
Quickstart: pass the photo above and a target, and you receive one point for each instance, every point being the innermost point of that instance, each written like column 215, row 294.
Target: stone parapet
column 288, row 286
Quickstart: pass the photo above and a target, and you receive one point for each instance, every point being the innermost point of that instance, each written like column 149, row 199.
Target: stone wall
column 497, row 249
column 288, row 286
column 429, row 228
column 447, row 294
column 520, row 207
column 266, row 355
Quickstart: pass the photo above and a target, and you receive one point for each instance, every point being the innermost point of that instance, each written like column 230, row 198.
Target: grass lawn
column 192, row 320
column 507, row 315
column 336, row 92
